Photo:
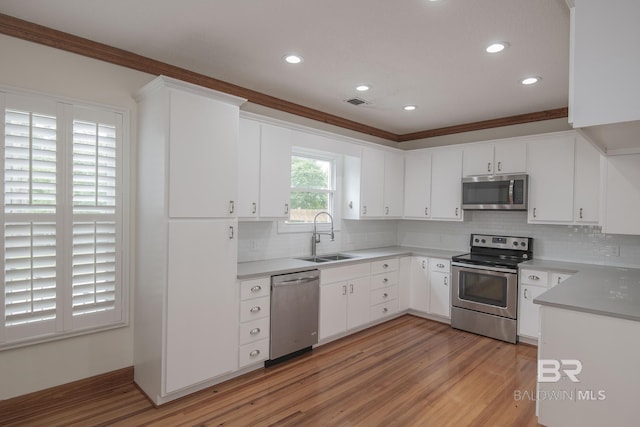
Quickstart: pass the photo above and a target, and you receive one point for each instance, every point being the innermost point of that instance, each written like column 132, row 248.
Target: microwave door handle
column 511, row 184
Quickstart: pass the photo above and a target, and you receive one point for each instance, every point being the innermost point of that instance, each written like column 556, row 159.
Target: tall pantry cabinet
column 186, row 236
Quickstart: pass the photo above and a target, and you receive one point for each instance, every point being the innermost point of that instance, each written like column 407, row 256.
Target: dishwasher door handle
column 299, row 281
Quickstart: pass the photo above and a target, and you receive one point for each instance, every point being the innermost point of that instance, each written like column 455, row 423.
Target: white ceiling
column 420, row 52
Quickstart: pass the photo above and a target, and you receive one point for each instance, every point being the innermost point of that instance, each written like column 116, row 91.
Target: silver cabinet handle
column 533, row 277
column 525, row 293
column 385, row 295
column 426, row 211
column 351, row 204
column 254, row 207
column 446, row 281
column 230, row 233
column 256, row 289
column 384, row 310
column 489, row 167
column 580, row 213
column 344, row 289
column 286, row 208
column 386, row 210
column 255, row 309
column 559, row 280
column 457, row 209
column 232, row 206
column 499, row 166
column 440, row 265
column 424, row 264
column 254, row 331
column 254, row 353
column 364, row 210
column 351, row 286
column 385, row 280
column 385, row 265
column 534, row 212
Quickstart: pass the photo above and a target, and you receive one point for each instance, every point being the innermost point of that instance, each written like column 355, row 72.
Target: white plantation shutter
column 62, row 219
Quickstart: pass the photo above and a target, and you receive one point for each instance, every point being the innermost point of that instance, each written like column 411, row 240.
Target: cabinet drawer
column 384, row 265
column 382, row 310
column 255, row 288
column 534, row 277
column 254, row 330
column 338, row 274
column 439, row 264
column 255, row 309
column 254, row 352
column 379, row 296
column 383, row 280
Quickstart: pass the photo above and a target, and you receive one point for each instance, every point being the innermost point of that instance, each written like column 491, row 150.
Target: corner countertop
column 269, row 267
column 596, row 289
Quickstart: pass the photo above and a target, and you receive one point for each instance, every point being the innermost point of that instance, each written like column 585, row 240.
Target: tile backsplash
column 261, row 240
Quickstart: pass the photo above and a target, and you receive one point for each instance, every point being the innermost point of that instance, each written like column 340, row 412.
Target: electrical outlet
column 611, row 250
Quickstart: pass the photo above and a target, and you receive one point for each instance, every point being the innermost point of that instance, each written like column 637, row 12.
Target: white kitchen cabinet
column 622, row 195
column 255, row 324
column 393, row 193
column 587, row 183
column 372, row 182
column 417, row 184
column 404, row 283
column 420, row 283
column 384, row 288
column 551, row 175
column 248, row 170
column 446, row 184
column 528, row 312
column 439, row 287
column 275, row 172
column 186, row 250
column 557, row 278
column 358, row 302
column 605, row 62
column 491, row 158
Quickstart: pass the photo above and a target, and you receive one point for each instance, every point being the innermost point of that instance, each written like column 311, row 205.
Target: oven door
column 486, row 289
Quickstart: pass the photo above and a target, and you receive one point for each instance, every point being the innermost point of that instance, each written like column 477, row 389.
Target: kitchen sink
column 327, row 258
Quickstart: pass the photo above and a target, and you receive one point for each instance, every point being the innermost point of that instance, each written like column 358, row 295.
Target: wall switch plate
column 611, row 250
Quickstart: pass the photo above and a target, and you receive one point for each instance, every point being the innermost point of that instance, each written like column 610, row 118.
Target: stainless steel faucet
column 315, row 237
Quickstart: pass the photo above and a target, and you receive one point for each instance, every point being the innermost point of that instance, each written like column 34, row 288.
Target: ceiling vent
column 356, row 101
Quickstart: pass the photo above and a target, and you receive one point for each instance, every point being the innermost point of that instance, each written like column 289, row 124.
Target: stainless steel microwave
column 495, row 192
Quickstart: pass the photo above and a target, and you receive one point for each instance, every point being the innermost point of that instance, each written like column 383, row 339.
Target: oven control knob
column 484, row 241
column 523, row 244
column 515, row 243
column 476, row 240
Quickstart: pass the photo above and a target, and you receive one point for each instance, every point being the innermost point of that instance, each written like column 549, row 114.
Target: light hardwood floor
column 406, row 372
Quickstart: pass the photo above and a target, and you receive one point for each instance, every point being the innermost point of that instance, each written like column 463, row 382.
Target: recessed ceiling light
column 409, row 107
column 292, row 58
column 497, row 47
column 530, row 80
column 363, row 88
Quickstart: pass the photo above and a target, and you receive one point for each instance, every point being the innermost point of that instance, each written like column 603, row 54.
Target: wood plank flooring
column 406, row 372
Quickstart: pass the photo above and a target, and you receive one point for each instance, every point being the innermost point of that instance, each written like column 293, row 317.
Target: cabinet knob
column 426, row 211
column 580, row 213
column 446, row 281
column 254, row 207
column 489, row 167
column 256, row 289
column 457, row 210
column 499, row 166
column 525, row 293
column 384, row 310
column 286, row 208
column 232, row 206
column 534, row 212
column 424, row 264
column 254, row 353
column 344, row 289
column 351, row 204
column 385, row 265
column 533, row 277
column 386, row 210
column 351, row 286
column 230, row 233
column 440, row 265
column 385, row 280
column 254, row 331
column 255, row 309
column 385, row 295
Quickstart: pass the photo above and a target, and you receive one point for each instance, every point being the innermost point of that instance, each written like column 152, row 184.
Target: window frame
column 67, row 111
column 284, row 226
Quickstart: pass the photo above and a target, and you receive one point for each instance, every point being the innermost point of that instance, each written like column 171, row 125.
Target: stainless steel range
column 484, row 295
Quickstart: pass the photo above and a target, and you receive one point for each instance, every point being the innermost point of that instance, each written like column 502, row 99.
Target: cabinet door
column 557, row 278
column 248, row 169
column 333, row 309
column 202, row 302
column 420, row 284
column 587, row 183
column 551, row 163
column 440, row 296
column 417, row 185
column 404, row 283
column 275, row 172
column 446, row 184
column 622, row 195
column 393, row 184
column 203, row 138
column 478, row 160
column 528, row 312
column 510, row 157
column 371, row 182
column 358, row 302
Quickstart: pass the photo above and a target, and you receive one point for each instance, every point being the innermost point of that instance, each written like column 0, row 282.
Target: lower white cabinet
column 439, row 287
column 255, row 319
column 420, row 283
column 384, row 289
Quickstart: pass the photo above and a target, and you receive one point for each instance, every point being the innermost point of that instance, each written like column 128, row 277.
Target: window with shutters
column 63, row 222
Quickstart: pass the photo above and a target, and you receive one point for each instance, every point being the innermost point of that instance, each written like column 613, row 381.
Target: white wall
column 34, row 67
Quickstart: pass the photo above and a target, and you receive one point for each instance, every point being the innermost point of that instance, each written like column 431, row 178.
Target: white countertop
column 272, row 267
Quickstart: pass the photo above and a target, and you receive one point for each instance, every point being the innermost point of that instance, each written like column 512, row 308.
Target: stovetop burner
column 497, row 251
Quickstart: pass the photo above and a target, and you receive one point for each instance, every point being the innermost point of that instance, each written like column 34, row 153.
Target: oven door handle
column 483, row 267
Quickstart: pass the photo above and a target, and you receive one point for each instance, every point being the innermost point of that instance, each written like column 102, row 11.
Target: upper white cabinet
column 417, row 184
column 248, row 169
column 622, row 195
column 494, row 158
column 605, row 62
column 202, row 138
column 275, row 171
column 587, row 183
column 551, row 174
column 446, row 184
column 373, row 184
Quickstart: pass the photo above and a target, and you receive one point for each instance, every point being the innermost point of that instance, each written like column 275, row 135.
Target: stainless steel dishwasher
column 295, row 299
